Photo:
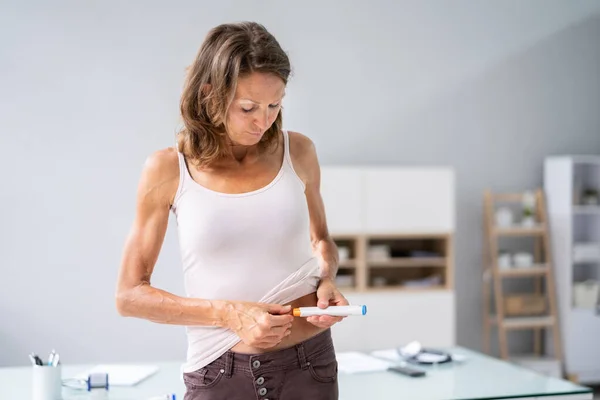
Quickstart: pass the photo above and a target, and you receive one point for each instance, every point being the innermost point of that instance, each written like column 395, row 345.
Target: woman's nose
column 262, row 120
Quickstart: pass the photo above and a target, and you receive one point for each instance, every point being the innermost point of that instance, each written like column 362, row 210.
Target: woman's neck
column 244, row 154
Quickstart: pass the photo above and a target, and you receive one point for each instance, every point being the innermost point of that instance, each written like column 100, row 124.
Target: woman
column 252, row 230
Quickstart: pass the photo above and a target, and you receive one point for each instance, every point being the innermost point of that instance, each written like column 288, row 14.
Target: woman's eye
column 248, row 110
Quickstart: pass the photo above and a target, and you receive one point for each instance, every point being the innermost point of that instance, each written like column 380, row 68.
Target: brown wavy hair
column 229, row 51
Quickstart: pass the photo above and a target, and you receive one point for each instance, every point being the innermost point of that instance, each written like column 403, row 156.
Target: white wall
column 88, row 89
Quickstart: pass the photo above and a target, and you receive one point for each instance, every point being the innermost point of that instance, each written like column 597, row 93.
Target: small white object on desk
column 46, row 383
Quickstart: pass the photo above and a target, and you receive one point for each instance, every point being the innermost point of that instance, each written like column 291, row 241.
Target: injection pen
column 336, row 311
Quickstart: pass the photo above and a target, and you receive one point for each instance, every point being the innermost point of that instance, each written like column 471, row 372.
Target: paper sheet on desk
column 387, row 354
column 122, row 375
column 352, row 362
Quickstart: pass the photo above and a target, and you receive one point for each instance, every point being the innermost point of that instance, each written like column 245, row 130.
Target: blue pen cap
column 364, row 310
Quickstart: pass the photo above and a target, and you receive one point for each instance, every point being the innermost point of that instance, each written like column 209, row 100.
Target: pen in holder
column 47, row 382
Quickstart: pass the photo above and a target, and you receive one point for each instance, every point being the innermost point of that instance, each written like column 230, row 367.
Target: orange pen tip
column 296, row 312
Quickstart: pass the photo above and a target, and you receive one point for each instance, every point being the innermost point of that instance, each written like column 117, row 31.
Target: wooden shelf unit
column 415, row 262
column 496, row 312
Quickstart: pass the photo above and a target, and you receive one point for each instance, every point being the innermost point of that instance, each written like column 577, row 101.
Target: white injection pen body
column 336, row 311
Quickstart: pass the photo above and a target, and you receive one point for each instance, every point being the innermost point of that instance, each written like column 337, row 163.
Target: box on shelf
column 380, row 252
column 524, row 304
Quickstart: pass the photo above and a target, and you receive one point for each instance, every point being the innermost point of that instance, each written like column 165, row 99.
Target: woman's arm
column 136, row 297
column 306, row 164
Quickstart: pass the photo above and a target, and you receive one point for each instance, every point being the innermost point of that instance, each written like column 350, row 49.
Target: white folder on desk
column 352, row 362
column 122, row 375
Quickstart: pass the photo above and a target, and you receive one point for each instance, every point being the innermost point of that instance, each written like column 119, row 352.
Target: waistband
column 292, row 357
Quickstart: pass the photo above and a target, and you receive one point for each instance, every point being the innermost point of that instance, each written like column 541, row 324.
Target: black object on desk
column 408, row 371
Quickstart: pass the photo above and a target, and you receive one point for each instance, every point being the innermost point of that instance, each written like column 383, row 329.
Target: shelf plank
column 345, row 236
column 409, row 235
column 519, row 231
column 399, row 288
column 582, row 209
column 543, row 321
column 589, row 260
column 404, row 262
column 393, row 289
column 350, row 263
column 535, row 270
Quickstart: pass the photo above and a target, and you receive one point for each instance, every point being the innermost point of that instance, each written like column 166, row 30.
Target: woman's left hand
column 327, row 295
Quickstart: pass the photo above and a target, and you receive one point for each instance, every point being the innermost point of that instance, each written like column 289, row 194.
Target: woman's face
column 254, row 108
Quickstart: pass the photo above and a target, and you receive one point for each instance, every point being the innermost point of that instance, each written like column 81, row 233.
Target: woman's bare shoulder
column 160, row 173
column 300, row 144
column 304, row 156
column 163, row 162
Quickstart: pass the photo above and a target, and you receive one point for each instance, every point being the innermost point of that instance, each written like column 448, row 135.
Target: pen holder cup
column 47, row 382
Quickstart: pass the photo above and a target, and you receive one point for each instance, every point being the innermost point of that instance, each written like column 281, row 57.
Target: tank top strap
column 184, row 176
column 286, row 146
column 288, row 158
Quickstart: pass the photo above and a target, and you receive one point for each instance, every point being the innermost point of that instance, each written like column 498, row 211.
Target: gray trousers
column 307, row 370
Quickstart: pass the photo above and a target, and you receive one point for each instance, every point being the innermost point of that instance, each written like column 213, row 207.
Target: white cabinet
column 403, row 209
column 397, row 318
column 409, row 200
column 570, row 183
column 342, row 190
column 389, row 199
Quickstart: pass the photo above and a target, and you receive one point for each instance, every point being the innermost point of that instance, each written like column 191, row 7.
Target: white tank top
column 252, row 246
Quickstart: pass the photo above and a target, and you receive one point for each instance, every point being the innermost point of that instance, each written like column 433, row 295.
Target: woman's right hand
column 259, row 325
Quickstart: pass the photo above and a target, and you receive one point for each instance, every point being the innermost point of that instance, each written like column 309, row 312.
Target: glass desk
column 479, row 377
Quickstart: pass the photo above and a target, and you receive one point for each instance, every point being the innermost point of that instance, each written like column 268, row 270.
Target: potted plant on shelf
column 528, row 219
